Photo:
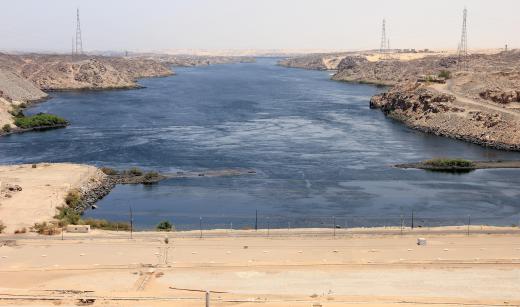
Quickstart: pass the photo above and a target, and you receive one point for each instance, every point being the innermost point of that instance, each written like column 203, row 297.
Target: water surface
column 320, row 153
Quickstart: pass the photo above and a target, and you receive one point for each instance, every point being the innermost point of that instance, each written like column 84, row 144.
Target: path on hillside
column 474, row 104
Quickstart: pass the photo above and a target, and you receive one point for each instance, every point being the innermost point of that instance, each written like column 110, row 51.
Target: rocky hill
column 195, row 60
column 59, row 72
column 314, row 61
column 24, row 78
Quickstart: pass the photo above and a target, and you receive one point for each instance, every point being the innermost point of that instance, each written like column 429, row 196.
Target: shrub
column 39, row 120
column 21, row 230
column 109, row 171
column 34, row 166
column 106, row 225
column 134, row 171
column 450, row 163
column 16, row 112
column 164, row 226
column 67, row 215
column 151, row 175
column 6, row 128
column 73, row 199
column 45, row 228
column 445, row 74
column 2, row 227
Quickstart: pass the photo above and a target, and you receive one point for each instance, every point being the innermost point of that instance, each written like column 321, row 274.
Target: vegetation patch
column 2, row 227
column 165, row 226
column 6, row 128
column 449, row 163
column 134, row 171
column 39, row 120
column 106, row 225
column 109, row 171
column 444, row 74
column 47, row 229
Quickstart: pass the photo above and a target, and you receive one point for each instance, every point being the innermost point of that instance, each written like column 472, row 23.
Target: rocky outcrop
column 500, row 96
column 421, row 108
column 391, row 72
column 60, row 72
column 314, row 61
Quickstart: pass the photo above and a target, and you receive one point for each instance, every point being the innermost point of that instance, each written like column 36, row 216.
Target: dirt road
column 281, row 270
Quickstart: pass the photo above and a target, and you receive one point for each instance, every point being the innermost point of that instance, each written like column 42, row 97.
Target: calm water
column 318, row 149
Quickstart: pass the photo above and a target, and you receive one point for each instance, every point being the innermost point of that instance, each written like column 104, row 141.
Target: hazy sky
column 258, row 24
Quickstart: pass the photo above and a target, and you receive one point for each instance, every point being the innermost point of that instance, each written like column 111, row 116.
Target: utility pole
column 256, row 220
column 131, row 222
column 200, row 226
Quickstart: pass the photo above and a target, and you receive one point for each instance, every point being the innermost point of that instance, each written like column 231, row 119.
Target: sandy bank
column 43, row 189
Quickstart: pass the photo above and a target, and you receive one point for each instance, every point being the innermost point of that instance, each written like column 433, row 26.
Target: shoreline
column 499, row 164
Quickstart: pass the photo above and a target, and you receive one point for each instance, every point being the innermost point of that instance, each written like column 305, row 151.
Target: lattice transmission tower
column 463, row 44
column 384, row 41
column 79, row 42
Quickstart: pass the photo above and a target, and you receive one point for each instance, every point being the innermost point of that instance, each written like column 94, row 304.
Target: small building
column 78, row 228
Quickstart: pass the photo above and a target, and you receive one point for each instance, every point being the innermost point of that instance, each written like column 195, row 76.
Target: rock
column 499, row 96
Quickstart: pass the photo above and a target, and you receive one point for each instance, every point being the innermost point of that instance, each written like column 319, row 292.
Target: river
column 321, row 155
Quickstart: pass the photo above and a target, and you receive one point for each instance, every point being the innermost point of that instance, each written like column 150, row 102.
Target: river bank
column 483, row 105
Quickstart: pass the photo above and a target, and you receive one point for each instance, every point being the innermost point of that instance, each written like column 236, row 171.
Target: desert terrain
column 30, row 193
column 308, row 267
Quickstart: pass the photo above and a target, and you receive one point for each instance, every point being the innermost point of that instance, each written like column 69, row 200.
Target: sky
column 38, row 25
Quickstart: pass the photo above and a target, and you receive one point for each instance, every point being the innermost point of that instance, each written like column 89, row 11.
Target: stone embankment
column 99, row 187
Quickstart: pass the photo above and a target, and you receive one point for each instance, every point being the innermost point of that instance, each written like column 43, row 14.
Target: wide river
column 320, row 153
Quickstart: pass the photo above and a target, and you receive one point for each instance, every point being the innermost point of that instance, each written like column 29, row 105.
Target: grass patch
column 67, row 216
column 39, row 120
column 444, row 74
column 106, row 225
column 165, row 226
column 449, row 163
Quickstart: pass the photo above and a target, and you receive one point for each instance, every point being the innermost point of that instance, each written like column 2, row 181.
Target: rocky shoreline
column 430, row 93
column 96, row 190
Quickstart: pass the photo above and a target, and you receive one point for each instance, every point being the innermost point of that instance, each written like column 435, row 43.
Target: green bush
column 67, row 216
column 2, row 227
column 151, row 175
column 106, row 225
column 164, row 226
column 445, row 74
column 134, row 171
column 39, row 120
column 449, row 163
column 6, row 128
column 109, row 171
column 73, row 199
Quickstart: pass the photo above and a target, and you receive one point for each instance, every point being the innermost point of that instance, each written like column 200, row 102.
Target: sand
column 43, row 189
column 298, row 267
